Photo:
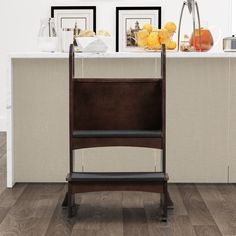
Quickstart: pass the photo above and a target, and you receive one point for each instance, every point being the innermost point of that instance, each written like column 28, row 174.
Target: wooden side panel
column 117, row 105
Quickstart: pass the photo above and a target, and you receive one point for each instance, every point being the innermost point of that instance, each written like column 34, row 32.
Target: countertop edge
column 120, row 55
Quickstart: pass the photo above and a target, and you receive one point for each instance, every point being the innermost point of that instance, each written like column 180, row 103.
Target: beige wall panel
column 197, row 120
column 120, row 159
column 40, row 108
column 232, row 126
column 123, row 68
column 41, row 125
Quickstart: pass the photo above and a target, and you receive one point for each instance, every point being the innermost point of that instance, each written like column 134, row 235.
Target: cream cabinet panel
column 120, row 159
column 232, row 122
column 197, row 120
column 40, row 120
column 198, row 115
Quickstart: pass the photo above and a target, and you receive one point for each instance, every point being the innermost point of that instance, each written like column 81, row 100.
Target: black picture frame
column 93, row 8
column 118, row 9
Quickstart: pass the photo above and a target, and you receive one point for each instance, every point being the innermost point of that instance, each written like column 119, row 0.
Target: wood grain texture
column 59, row 224
column 104, row 216
column 135, row 222
column 196, row 207
column 207, row 230
column 181, row 225
column 221, row 206
column 3, row 164
column 179, row 206
column 31, row 214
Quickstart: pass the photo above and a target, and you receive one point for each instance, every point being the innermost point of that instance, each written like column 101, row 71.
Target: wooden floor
column 35, row 209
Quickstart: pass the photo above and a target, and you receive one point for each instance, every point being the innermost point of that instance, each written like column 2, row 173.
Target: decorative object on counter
column 77, row 17
column 185, row 45
column 202, row 40
column 193, row 8
column 47, row 37
column 77, row 32
column 151, row 39
column 91, row 44
column 229, row 44
column 129, row 21
column 67, row 36
column 106, row 37
column 88, row 41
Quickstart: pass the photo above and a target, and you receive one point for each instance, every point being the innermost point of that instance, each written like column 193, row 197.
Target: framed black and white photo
column 129, row 20
column 68, row 16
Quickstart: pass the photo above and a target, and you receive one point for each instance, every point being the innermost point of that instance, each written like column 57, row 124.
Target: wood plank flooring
column 35, row 209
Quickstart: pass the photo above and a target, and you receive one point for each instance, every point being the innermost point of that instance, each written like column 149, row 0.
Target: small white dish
column 48, row 44
column 91, row 44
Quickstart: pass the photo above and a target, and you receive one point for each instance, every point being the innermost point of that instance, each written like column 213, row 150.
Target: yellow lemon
column 153, row 40
column 171, row 45
column 143, row 38
column 166, row 42
column 148, row 27
column 163, row 35
column 170, row 26
column 143, row 34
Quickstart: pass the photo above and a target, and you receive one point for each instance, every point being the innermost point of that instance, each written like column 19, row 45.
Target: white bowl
column 91, row 44
column 48, row 44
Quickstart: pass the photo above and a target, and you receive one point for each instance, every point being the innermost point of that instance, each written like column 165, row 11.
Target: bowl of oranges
column 151, row 38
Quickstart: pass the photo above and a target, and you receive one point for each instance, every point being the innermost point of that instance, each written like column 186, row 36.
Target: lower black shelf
column 117, row 176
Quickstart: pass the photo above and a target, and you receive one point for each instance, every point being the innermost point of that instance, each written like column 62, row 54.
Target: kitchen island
column 201, row 116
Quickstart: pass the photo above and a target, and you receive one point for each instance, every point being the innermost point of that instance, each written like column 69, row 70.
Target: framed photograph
column 129, row 20
column 67, row 16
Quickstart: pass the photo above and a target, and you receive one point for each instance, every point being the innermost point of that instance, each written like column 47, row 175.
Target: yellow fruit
column 143, row 34
column 170, row 26
column 143, row 38
column 153, row 41
column 163, row 33
column 148, row 27
column 171, row 45
column 166, row 42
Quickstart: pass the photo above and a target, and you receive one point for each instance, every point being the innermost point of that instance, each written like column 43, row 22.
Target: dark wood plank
column 135, row 222
column 221, row 209
column 100, row 213
column 153, row 213
column 195, row 206
column 78, row 232
column 207, row 230
column 177, row 225
column 181, row 225
column 228, row 192
column 3, row 173
column 2, row 144
column 60, row 224
column 8, row 198
column 179, row 207
column 32, row 211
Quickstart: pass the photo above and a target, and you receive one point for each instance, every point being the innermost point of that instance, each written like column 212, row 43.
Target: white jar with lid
column 67, row 38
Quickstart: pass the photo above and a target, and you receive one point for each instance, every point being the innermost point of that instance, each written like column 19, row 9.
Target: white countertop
column 118, row 55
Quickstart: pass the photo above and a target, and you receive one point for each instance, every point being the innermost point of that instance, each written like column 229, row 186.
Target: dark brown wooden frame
column 101, row 132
